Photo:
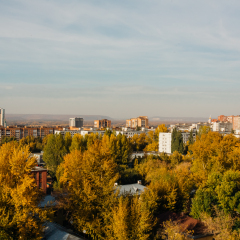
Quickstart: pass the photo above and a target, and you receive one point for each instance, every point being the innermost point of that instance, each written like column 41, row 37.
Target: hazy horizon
column 120, row 58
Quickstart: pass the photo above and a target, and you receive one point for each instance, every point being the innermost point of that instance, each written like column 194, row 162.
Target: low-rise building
column 134, row 188
column 53, row 231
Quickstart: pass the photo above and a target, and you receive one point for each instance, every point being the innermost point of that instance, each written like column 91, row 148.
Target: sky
column 121, row 59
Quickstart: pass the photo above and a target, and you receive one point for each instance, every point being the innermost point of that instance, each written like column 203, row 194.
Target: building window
column 40, row 175
column 40, row 185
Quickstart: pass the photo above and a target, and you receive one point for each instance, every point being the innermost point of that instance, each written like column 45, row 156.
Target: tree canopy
column 21, row 218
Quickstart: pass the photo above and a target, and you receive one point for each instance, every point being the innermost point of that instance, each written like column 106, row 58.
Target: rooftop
column 38, row 169
column 48, row 201
column 131, row 188
column 53, row 231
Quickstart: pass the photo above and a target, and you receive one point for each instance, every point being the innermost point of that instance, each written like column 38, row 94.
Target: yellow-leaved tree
column 89, row 178
column 20, row 216
column 131, row 219
column 214, row 153
column 152, row 138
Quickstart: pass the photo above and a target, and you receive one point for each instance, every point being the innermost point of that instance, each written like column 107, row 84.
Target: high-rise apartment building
column 141, row 121
column 76, row 122
column 165, row 140
column 236, row 122
column 104, row 123
column 2, row 117
column 222, row 118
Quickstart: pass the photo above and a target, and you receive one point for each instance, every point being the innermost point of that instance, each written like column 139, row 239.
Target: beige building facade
column 141, row 121
column 104, row 123
column 21, row 132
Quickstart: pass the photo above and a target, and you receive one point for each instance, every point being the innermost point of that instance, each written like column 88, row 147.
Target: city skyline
column 120, row 59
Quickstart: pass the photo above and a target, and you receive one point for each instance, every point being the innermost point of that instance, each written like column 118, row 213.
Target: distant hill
column 51, row 117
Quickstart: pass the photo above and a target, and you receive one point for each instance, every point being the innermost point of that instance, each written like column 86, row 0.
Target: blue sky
column 120, row 58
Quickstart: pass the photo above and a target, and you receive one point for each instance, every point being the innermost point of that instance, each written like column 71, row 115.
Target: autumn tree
column 138, row 142
column 221, row 225
column 119, row 147
column 153, row 138
column 160, row 128
column 172, row 231
column 214, row 153
column 89, row 177
column 169, row 187
column 203, row 130
column 34, row 143
column 152, row 143
column 176, row 158
column 21, row 218
column 78, row 143
column 131, row 219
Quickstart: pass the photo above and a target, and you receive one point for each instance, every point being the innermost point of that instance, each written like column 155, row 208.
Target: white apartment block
column 222, row 127
column 165, row 140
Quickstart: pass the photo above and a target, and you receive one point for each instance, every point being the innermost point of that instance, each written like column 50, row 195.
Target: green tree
column 191, row 139
column 125, row 149
column 68, row 141
column 221, row 190
column 6, row 139
column 203, row 130
column 177, row 141
column 53, row 154
column 78, row 143
column 34, row 143
column 108, row 132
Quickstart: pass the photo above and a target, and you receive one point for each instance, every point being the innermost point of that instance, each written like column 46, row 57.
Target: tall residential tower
column 2, row 117
column 76, row 122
